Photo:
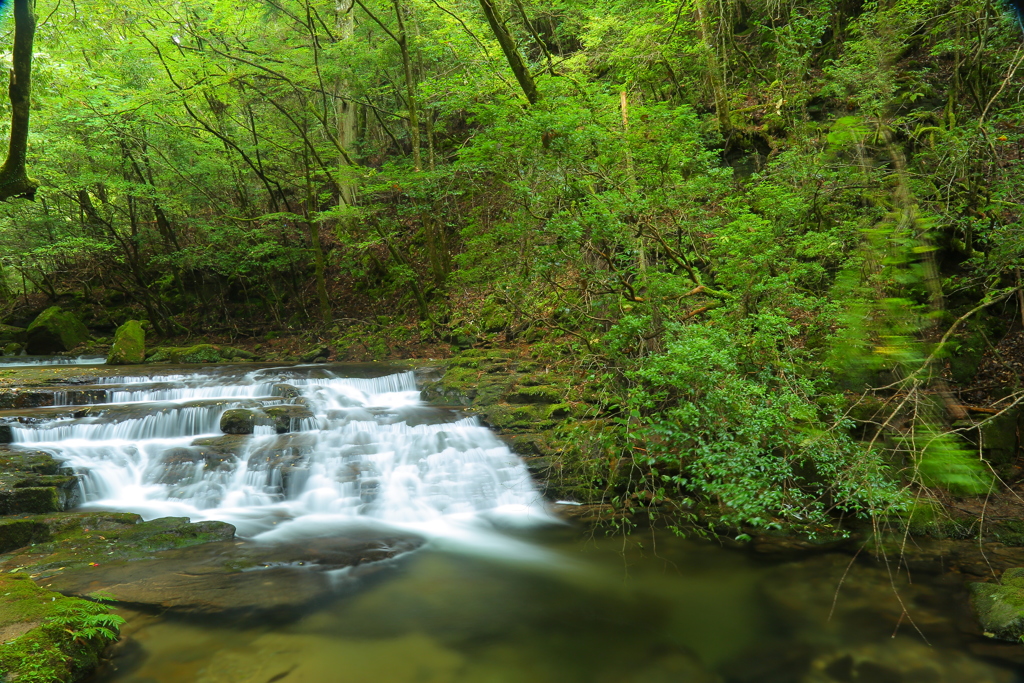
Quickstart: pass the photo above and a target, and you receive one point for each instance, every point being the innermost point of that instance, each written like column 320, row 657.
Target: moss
column 200, row 353
column 77, row 539
column 32, row 499
column 55, row 330
column 43, row 650
column 1000, row 607
column 17, row 533
column 535, row 394
column 129, row 345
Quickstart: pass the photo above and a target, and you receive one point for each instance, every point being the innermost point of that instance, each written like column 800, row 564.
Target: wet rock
column 129, row 345
column 314, row 354
column 239, row 421
column 54, row 331
column 86, row 539
column 232, row 576
column 12, row 349
column 17, row 533
column 284, row 417
column 1000, row 607
column 200, row 353
column 902, row 660
column 285, row 391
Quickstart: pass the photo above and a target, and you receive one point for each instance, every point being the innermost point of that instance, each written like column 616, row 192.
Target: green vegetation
column 759, row 244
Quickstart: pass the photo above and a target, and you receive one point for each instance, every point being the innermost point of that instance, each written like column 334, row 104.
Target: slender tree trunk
column 410, row 87
column 715, row 72
column 14, row 181
column 345, row 111
column 508, row 45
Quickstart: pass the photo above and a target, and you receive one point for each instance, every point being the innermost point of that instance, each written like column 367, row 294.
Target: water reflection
column 656, row 609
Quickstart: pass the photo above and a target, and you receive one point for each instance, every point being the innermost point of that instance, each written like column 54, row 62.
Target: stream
column 502, row 590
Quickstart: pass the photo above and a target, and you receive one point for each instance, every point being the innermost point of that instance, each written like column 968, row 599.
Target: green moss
column 32, row 499
column 17, row 533
column 47, row 650
column 129, row 345
column 55, row 330
column 1000, row 607
column 200, row 353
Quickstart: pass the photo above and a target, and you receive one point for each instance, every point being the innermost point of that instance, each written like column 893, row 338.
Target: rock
column 129, row 345
column 233, row 577
column 285, row 391
column 32, row 648
column 10, row 333
column 12, row 349
column 283, row 416
column 18, row 533
column 311, row 356
column 55, row 330
column 1000, row 607
column 200, row 353
column 239, row 421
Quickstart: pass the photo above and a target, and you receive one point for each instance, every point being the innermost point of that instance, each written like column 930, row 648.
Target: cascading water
column 364, row 451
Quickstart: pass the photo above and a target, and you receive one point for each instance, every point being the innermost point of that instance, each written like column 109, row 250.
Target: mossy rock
column 10, row 333
column 12, row 349
column 282, row 416
column 535, row 394
column 285, row 391
column 239, row 421
column 129, row 345
column 1000, row 607
column 18, row 533
column 54, row 331
column 200, row 353
column 31, row 499
column 37, row 647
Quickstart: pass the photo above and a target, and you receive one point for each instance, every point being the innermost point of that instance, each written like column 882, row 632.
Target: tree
column 14, row 181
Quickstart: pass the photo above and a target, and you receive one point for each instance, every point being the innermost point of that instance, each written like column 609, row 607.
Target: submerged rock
column 129, row 345
column 1000, row 606
column 55, row 330
column 231, row 576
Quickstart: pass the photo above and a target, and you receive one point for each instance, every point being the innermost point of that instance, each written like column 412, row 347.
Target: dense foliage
column 734, row 218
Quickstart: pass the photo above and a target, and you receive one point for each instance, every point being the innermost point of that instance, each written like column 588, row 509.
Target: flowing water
column 502, row 591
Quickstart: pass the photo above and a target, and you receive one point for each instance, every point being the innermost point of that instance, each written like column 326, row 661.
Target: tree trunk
column 508, row 46
column 410, row 87
column 14, row 181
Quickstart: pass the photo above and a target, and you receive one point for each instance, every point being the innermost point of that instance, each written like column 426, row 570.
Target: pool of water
column 645, row 608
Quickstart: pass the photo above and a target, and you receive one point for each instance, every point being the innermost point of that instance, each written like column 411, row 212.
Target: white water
column 373, row 453
column 31, row 361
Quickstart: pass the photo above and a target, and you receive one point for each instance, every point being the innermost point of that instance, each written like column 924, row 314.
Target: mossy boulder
column 1000, row 606
column 129, row 345
column 12, row 349
column 55, row 330
column 239, row 421
column 283, row 416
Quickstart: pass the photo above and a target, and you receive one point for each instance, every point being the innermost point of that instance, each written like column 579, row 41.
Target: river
column 502, row 590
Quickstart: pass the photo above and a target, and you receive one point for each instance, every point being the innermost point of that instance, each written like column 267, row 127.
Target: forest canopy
column 773, row 238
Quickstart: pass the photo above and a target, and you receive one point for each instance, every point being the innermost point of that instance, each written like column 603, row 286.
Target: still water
column 650, row 608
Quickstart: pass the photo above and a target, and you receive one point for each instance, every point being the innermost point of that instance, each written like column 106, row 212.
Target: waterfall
column 354, row 450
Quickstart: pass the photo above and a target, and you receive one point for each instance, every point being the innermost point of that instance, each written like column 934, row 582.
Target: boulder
column 282, row 416
column 1000, row 606
column 239, row 421
column 12, row 349
column 54, row 331
column 129, row 345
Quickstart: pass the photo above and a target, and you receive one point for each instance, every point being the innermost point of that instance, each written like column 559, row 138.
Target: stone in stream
column 1000, row 606
column 202, row 574
column 54, row 331
column 33, row 482
column 129, row 345
column 284, row 415
column 240, row 421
